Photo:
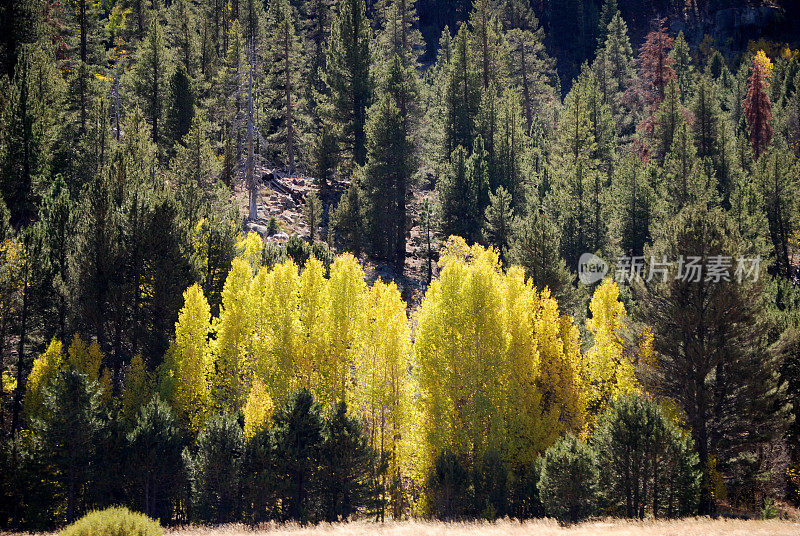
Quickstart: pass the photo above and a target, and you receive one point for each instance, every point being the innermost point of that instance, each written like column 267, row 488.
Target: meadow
column 542, row 527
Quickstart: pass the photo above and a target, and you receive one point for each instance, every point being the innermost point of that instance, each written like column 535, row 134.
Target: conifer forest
column 318, row 261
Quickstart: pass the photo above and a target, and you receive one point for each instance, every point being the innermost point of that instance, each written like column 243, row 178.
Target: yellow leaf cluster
column 607, row 371
column 765, row 65
column 83, row 357
column 187, row 363
column 496, row 363
column 257, row 410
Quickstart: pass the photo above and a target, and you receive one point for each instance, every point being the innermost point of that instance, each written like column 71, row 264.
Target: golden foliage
column 257, row 410
column 496, row 363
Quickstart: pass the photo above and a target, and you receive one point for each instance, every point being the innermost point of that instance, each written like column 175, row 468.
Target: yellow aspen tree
column 312, row 310
column 276, row 327
column 346, row 295
column 84, row 357
column 187, row 364
column 230, row 371
column 563, row 407
column 87, row 359
column 136, row 391
column 497, row 365
column 250, row 248
column 383, row 395
column 608, row 372
column 257, row 410
column 460, row 349
column 43, row 371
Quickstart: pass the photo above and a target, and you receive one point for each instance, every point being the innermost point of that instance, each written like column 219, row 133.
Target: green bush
column 568, row 483
column 647, row 465
column 115, row 521
column 448, row 485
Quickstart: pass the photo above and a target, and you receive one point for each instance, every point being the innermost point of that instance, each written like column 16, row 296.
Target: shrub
column 215, row 471
column 525, row 502
column 298, row 427
column 154, row 447
column 348, row 466
column 273, row 226
column 115, row 521
column 490, row 482
column 646, row 462
column 568, row 483
column 449, row 486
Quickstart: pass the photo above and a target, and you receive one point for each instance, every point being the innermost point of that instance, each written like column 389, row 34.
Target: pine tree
column 510, row 143
column 230, row 80
column 348, row 467
column 707, row 117
column 182, row 35
column 488, row 44
column 347, row 77
column 463, row 192
column 195, row 168
column 535, row 247
column 656, row 65
column 68, row 436
column 682, row 63
column 389, row 168
column 348, row 223
column 776, row 179
column 757, row 106
column 312, row 210
column 608, row 12
column 668, row 119
column 499, row 221
column 400, row 33
column 685, row 181
column 215, row 471
column 179, row 111
column 316, row 23
column 298, row 440
column 620, row 74
column 462, row 96
column 283, row 120
column 568, row 482
column 150, row 78
column 57, row 236
column 646, row 463
column 30, row 122
column 155, row 447
column 531, row 69
column 634, row 203
column 428, row 225
column 725, row 369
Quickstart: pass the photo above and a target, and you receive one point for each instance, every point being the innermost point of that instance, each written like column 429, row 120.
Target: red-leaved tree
column 655, row 64
column 757, row 108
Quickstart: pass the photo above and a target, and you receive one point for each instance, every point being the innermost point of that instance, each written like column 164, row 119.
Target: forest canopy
column 324, row 259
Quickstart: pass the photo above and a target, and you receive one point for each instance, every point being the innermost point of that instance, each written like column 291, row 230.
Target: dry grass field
column 685, row 527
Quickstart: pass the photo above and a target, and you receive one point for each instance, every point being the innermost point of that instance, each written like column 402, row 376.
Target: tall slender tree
column 348, row 80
